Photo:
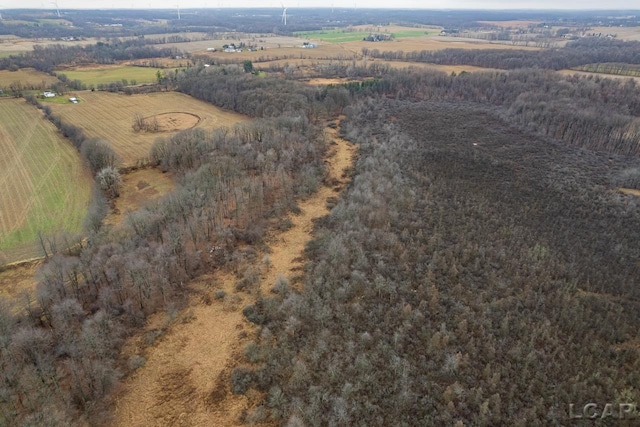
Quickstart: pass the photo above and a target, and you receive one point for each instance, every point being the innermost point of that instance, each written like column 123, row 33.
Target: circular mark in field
column 171, row 122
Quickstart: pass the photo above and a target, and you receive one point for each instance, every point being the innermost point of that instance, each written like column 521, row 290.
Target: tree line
column 587, row 111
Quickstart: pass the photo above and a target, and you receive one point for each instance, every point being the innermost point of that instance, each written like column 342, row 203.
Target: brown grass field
column 622, row 33
column 417, row 44
column 110, row 116
column 16, row 281
column 139, row 187
column 43, row 186
column 16, row 45
column 27, row 76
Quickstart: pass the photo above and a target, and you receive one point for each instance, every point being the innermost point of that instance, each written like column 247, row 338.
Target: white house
column 48, row 94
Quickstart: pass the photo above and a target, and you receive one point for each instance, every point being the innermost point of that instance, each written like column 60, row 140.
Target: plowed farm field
column 43, row 185
column 111, row 116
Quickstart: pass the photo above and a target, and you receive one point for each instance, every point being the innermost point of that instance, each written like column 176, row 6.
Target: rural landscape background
column 335, row 216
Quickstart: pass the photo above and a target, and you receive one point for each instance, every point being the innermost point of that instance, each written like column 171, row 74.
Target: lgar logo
column 593, row 411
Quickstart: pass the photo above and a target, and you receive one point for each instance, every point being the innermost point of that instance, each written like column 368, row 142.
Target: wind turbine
column 284, row 14
column 178, row 7
column 55, row 3
column 1, row 6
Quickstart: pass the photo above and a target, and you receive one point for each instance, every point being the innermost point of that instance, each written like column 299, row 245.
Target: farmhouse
column 48, row 94
column 73, row 99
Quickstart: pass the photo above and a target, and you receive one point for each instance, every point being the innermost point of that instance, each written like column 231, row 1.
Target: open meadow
column 111, row 116
column 43, row 185
column 105, row 74
column 16, row 45
column 27, row 77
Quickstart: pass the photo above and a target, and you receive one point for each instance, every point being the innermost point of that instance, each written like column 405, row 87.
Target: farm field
column 105, row 74
column 16, row 44
column 43, row 185
column 340, row 35
column 430, row 43
column 266, row 42
column 622, row 33
column 110, row 116
column 27, row 76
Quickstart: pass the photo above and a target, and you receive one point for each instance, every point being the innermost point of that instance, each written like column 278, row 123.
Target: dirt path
column 183, row 382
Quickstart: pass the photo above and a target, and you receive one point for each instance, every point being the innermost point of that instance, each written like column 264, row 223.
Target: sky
column 292, row 4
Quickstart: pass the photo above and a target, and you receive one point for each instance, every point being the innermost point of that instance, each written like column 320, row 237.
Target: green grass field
column 105, row 75
column 43, row 185
column 341, row 36
column 333, row 36
column 409, row 33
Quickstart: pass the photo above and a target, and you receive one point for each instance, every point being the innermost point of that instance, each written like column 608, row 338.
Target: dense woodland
column 481, row 267
column 472, row 272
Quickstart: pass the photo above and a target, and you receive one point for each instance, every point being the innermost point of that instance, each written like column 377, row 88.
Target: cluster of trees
column 60, row 358
column 230, row 87
column 471, row 274
column 587, row 50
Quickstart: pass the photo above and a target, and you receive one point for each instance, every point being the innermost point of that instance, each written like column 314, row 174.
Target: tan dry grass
column 430, row 43
column 110, row 116
column 622, row 33
column 27, row 76
column 631, row 191
column 17, row 280
column 17, row 44
column 139, row 187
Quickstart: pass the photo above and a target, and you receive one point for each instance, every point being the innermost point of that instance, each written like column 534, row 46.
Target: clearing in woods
column 139, row 187
column 185, row 380
column 111, row 116
column 43, row 185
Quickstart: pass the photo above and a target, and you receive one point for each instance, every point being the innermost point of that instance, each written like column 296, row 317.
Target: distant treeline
column 47, row 58
column 576, row 53
column 591, row 112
